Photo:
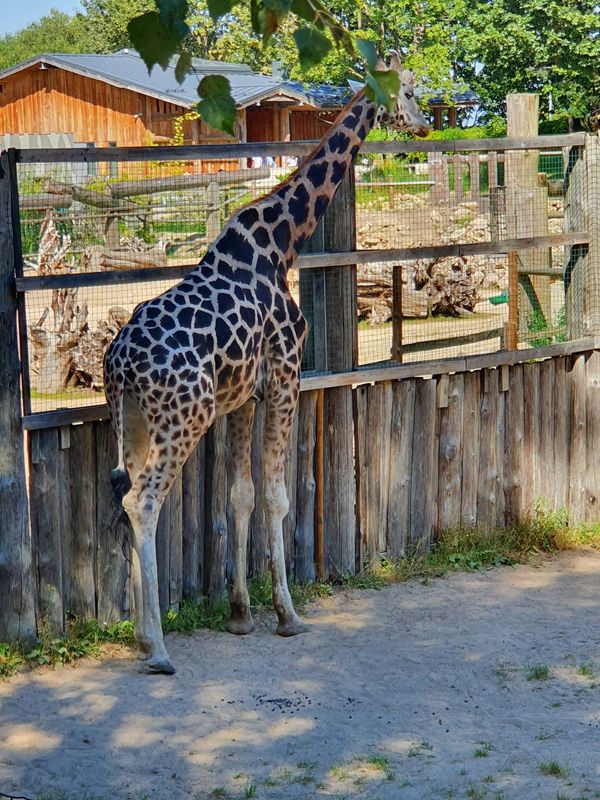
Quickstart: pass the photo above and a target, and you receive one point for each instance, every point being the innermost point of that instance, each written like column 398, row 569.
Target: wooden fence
column 381, row 460
column 375, row 470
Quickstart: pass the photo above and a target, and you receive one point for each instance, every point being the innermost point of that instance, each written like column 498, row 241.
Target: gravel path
column 421, row 690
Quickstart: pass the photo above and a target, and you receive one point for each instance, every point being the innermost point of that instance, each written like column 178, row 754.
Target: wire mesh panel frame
column 576, row 237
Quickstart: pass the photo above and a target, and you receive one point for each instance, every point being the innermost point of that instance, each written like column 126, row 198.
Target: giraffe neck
column 303, row 198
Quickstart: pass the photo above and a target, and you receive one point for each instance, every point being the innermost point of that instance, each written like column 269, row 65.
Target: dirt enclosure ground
column 421, row 690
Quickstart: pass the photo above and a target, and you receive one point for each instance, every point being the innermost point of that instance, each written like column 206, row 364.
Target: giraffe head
column 406, row 115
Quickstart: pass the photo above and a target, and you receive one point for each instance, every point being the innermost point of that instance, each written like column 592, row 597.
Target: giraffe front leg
column 242, row 503
column 143, row 509
column 280, row 412
column 276, row 505
column 138, row 602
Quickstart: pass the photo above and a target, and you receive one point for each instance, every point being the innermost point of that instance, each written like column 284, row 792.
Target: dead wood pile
column 441, row 286
column 66, row 351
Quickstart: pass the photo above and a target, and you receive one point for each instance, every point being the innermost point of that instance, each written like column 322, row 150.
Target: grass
column 483, row 750
column 379, row 763
column 459, row 549
column 586, row 670
column 466, row 549
column 83, row 640
column 554, row 769
column 538, row 672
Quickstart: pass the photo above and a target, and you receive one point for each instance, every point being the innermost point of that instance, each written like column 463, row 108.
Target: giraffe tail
column 119, row 477
column 121, row 484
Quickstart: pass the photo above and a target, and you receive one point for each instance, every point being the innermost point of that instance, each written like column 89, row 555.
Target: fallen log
column 98, row 258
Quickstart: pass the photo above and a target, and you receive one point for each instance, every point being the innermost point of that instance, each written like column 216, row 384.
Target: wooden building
column 111, row 100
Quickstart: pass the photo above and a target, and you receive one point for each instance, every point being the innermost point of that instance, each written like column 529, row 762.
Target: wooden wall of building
column 309, row 124
column 281, row 125
column 54, row 100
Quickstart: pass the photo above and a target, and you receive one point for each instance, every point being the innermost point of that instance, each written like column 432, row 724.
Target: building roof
column 459, row 98
column 127, row 70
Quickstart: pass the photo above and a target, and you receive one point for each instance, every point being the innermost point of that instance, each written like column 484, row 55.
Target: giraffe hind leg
column 239, row 425
column 281, row 403
column 136, row 443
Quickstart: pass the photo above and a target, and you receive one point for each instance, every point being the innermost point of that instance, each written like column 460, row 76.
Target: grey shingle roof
column 126, row 69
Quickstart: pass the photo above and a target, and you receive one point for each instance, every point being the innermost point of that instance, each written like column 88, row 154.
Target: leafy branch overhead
column 159, row 35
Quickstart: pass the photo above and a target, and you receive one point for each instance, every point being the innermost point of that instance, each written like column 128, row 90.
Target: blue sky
column 16, row 15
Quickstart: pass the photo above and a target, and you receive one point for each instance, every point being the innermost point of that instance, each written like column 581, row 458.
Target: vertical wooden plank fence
column 479, row 446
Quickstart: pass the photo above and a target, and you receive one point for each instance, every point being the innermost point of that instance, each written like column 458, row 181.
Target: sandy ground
column 419, row 691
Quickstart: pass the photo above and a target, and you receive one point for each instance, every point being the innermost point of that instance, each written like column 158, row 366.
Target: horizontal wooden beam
column 112, row 277
column 453, row 341
column 51, row 419
column 547, row 271
column 64, row 416
column 444, row 366
column 461, row 145
column 248, row 149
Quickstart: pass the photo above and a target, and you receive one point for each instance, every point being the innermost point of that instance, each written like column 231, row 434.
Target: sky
column 16, row 15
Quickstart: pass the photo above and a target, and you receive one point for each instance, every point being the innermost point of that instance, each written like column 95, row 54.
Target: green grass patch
column 466, row 549
column 83, row 640
column 194, row 614
column 538, row 672
column 586, row 670
column 554, row 769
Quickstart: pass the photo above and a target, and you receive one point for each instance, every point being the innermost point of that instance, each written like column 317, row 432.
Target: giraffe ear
column 407, row 77
column 380, row 65
column 395, row 62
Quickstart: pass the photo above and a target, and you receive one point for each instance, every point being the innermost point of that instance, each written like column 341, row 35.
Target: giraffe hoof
column 156, row 666
column 292, row 627
column 240, row 625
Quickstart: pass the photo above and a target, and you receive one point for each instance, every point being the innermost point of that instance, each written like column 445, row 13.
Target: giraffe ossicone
column 228, row 333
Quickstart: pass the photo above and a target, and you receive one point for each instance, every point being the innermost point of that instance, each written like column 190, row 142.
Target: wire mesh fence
column 458, row 304
column 442, row 270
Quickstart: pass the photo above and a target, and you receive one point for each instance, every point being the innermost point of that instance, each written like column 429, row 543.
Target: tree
column 159, row 35
column 106, row 21
column 546, row 46
column 54, row 33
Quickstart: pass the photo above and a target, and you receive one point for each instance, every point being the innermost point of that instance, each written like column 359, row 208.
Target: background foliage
column 491, row 46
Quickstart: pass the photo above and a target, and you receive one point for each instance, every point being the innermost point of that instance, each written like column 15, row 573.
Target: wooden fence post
column 17, row 605
column 338, row 418
column 328, row 300
column 438, row 173
column 526, row 200
column 582, row 268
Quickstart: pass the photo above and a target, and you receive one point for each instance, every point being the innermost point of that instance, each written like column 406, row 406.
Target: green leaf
column 184, row 64
column 368, row 52
column 172, row 12
column 279, row 7
column 303, row 9
column 217, row 107
column 218, row 8
column 312, row 46
column 383, row 87
column 155, row 42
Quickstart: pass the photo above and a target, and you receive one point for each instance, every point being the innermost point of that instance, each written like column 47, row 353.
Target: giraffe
column 229, row 333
